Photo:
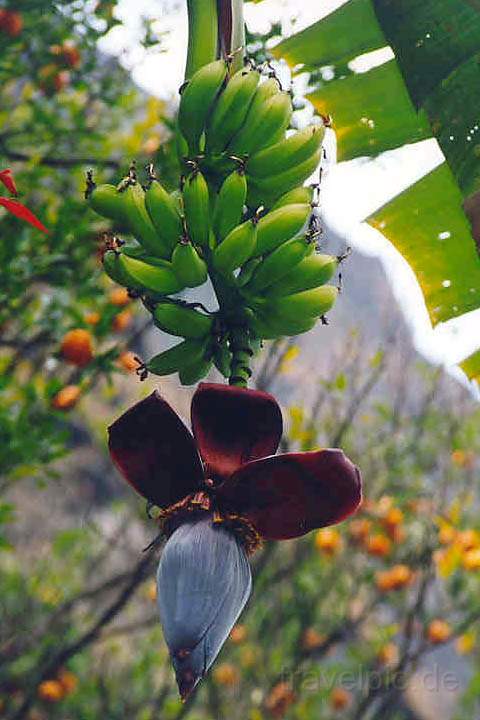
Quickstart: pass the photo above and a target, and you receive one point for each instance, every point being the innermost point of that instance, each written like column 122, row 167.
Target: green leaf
column 371, row 111
column 428, row 227
column 471, row 366
column 340, row 36
column 430, row 38
column 454, row 111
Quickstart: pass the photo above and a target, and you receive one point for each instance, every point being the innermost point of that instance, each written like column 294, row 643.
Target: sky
column 350, row 191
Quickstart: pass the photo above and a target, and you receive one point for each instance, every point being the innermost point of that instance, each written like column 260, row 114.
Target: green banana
column 267, row 190
column 196, row 200
column 230, row 110
column 139, row 221
column 177, row 357
column 303, row 305
column 247, row 271
column 286, row 154
column 269, row 327
column 197, row 100
column 107, row 202
column 156, row 278
column 222, row 358
column 311, row 272
column 277, row 264
column 188, row 266
column 299, row 195
column 182, row 147
column 191, row 374
column 163, row 211
column 182, row 321
column 257, row 131
column 237, row 247
column 278, row 226
column 265, row 91
column 114, row 270
column 229, row 205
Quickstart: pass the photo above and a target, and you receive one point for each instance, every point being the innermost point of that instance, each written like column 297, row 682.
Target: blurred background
column 376, row 618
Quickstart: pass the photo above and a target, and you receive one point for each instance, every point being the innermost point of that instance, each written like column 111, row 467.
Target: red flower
column 13, row 206
column 230, row 461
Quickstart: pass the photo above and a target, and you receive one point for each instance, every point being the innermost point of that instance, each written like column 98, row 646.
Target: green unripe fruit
column 182, row 321
column 188, row 266
column 107, row 202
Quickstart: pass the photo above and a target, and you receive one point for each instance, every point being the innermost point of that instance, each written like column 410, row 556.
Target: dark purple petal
column 22, row 212
column 155, row 452
column 288, row 495
column 203, row 582
column 233, row 426
column 6, row 177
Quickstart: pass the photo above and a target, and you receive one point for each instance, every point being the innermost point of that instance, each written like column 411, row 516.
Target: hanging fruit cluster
column 242, row 218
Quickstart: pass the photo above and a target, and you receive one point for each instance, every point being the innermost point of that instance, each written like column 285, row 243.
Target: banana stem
column 202, row 34
column 240, row 346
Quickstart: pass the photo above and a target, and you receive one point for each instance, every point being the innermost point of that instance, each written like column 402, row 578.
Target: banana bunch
column 223, row 117
column 241, row 218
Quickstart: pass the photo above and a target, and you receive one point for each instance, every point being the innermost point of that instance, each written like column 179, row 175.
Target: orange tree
column 65, row 108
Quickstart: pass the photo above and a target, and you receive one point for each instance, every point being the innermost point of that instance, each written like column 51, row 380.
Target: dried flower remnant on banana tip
column 221, row 490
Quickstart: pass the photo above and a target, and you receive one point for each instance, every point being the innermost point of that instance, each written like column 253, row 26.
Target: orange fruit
column 67, row 680
column 378, row 545
column 11, row 22
column 126, row 360
column 340, row 698
column 239, row 634
column 312, row 639
column 119, row 297
column 121, row 321
column 395, row 578
column 359, row 529
column 66, row 398
column 77, row 347
column 92, row 318
column 279, row 699
column 439, row 631
column 388, row 654
column 51, row 691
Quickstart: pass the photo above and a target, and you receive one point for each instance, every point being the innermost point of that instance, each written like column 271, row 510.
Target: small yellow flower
column 471, row 559
column 226, row 674
column 151, row 591
column 328, row 541
column 290, row 354
column 465, row 643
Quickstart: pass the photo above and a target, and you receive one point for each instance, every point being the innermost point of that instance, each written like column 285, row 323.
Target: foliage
column 64, row 109
column 333, row 613
column 422, row 92
column 340, row 620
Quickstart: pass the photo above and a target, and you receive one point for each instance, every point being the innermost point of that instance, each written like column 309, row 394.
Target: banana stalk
column 202, row 34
